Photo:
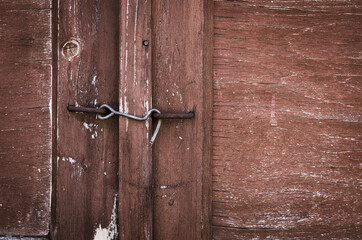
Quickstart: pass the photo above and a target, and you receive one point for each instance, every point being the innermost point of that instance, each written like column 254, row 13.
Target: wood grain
column 287, row 120
column 25, row 5
column 182, row 82
column 22, row 25
column 135, row 91
column 87, row 150
column 22, row 238
column 25, row 123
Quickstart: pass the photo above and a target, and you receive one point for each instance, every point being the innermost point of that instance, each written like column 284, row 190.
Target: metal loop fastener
column 106, row 109
column 144, row 118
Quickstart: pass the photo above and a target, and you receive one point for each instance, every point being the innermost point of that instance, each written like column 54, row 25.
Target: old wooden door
column 110, row 180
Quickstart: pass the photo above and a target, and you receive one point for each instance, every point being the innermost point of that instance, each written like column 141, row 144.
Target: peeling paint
column 8, row 129
column 94, row 81
column 111, row 231
column 273, row 120
column 92, row 128
column 69, row 159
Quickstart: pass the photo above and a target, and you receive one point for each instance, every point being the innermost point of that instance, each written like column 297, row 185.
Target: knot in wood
column 70, row 49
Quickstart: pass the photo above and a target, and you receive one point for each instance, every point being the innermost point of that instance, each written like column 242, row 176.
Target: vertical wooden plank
column 207, row 108
column 87, row 153
column 182, row 82
column 25, row 122
column 135, row 169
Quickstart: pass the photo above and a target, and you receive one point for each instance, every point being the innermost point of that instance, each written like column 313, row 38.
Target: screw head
column 145, row 43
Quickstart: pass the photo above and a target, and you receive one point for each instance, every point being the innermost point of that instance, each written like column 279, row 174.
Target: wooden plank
column 25, row 172
column 24, row 4
column 87, row 150
column 37, row 88
column 25, row 36
column 224, row 233
column 307, row 6
column 182, row 40
column 135, row 168
column 25, row 50
column 21, row 238
column 26, row 24
column 287, row 114
column 25, row 126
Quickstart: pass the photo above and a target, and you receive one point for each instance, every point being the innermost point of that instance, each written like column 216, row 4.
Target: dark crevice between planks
column 55, row 44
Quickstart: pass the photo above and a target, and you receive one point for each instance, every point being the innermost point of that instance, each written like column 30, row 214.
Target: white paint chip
column 110, row 232
column 86, row 125
column 94, row 81
column 69, row 159
column 92, row 128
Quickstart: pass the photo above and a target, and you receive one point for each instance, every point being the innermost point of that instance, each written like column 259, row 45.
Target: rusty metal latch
column 106, row 109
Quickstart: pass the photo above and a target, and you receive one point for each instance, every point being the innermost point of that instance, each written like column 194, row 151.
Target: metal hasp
column 189, row 115
column 109, row 111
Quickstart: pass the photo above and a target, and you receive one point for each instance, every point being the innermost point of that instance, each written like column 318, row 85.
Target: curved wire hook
column 144, row 118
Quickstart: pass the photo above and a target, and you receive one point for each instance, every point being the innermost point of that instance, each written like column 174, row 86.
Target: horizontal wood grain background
column 287, row 119
column 25, row 122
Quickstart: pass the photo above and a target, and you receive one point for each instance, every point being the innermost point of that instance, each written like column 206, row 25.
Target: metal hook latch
column 106, row 109
column 144, row 118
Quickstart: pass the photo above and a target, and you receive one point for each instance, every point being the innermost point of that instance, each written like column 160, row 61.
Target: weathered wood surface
column 8, row 237
column 182, row 82
column 87, row 152
column 135, row 91
column 287, row 119
column 28, row 5
column 25, row 122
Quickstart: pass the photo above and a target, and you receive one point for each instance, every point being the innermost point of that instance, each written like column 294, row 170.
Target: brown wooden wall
column 287, row 119
column 25, row 122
